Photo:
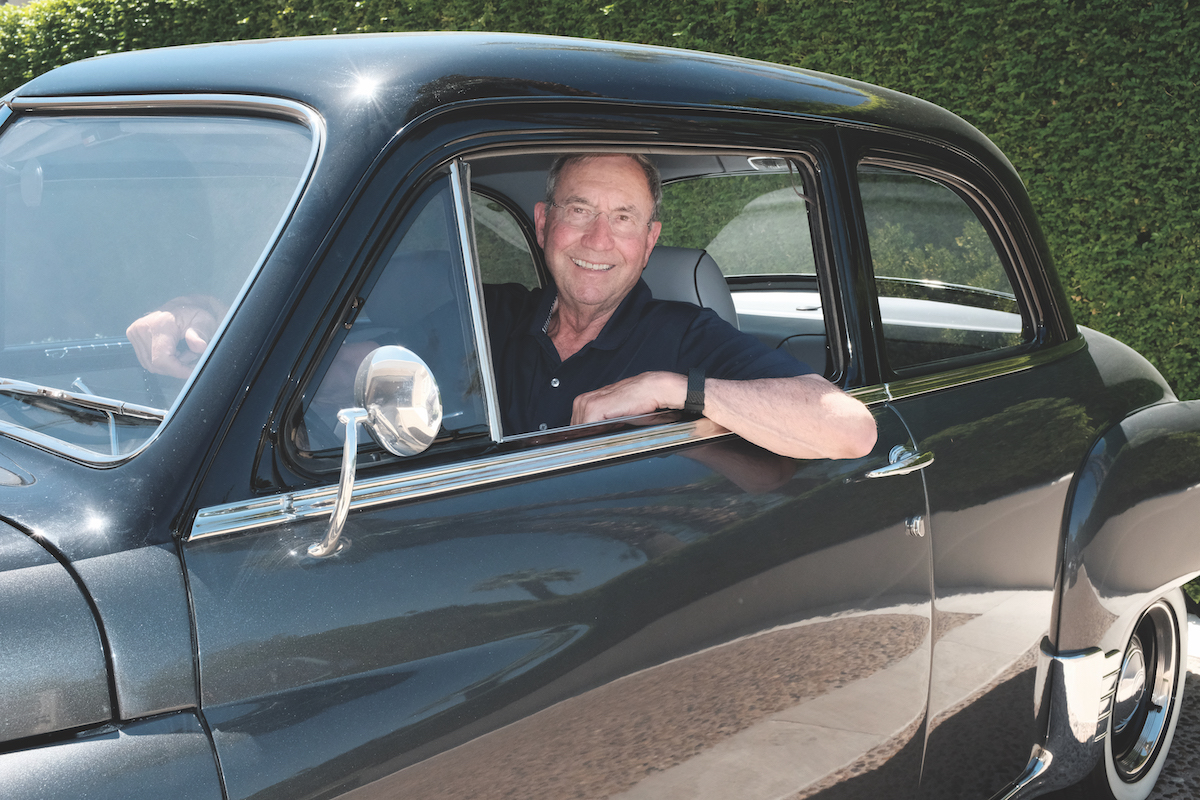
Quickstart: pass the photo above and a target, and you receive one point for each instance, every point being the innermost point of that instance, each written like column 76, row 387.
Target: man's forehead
column 584, row 180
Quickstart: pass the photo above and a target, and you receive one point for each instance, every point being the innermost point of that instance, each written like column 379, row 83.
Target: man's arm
column 803, row 417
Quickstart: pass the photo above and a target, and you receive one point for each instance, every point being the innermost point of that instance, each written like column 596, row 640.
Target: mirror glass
column 401, row 397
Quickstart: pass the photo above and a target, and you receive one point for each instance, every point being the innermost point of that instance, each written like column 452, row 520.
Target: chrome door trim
column 249, row 515
column 924, row 384
column 460, row 185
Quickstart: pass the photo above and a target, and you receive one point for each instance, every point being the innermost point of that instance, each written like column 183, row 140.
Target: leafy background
column 1095, row 101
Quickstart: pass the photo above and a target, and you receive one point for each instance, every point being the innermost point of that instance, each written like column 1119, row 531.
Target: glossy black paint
column 458, row 642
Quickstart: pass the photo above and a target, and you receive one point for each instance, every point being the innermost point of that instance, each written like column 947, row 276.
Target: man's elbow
column 856, row 437
column 862, row 441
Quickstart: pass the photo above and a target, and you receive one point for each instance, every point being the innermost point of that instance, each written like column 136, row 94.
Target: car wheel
column 1145, row 706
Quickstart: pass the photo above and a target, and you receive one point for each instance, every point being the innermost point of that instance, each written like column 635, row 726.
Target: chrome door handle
column 902, row 461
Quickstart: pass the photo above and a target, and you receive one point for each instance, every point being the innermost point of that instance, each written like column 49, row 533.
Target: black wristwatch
column 694, row 404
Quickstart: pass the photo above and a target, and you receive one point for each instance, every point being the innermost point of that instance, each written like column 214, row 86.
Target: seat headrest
column 690, row 275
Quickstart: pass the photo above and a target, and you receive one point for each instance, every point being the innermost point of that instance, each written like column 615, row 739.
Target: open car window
column 106, row 218
column 943, row 290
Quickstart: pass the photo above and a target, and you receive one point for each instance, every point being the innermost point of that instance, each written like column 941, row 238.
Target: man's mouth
column 579, row 262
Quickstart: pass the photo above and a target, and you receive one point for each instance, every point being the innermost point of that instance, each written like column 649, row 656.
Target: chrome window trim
column 258, row 514
column 961, row 376
column 477, row 473
column 460, row 184
column 219, row 105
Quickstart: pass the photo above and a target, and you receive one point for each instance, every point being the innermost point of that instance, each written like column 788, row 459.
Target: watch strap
column 694, row 404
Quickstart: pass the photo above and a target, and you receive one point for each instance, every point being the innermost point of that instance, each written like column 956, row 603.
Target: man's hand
column 641, row 394
column 169, row 341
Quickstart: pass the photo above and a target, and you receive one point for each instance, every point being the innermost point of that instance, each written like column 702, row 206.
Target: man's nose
column 599, row 232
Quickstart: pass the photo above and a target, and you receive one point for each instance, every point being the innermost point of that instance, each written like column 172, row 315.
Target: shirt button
column 554, row 383
column 542, row 427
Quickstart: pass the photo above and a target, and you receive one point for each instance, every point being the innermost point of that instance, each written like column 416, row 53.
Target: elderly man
column 596, row 345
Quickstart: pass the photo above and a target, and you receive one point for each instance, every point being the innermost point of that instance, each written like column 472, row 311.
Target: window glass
column 504, row 254
column 417, row 301
column 106, row 218
column 751, row 224
column 943, row 290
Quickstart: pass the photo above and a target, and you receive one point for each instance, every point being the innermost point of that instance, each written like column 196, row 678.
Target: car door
column 655, row 611
column 1005, row 418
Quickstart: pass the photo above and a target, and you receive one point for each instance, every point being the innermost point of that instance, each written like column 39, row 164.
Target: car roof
column 381, row 82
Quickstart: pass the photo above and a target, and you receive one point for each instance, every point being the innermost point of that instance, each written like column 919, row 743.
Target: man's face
column 594, row 267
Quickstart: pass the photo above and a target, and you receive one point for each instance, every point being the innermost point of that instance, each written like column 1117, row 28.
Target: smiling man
column 595, row 345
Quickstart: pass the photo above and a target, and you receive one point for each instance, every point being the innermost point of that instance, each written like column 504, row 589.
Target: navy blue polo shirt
column 537, row 388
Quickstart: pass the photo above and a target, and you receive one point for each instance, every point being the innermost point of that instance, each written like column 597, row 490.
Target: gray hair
column 653, row 178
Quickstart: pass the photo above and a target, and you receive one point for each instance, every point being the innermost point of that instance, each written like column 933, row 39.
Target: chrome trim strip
column 911, row 387
column 219, row 104
column 226, row 103
column 482, row 472
column 460, row 183
column 871, row 395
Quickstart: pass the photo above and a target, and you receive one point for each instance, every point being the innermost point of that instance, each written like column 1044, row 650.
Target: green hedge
column 1095, row 101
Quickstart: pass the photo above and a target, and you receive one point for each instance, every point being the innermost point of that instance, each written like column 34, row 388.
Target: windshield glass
column 107, row 218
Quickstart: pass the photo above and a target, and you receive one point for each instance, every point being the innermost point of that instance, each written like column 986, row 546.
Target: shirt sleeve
column 726, row 353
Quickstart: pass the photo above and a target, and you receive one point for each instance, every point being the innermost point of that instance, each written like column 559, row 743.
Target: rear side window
column 943, row 289
column 751, row 224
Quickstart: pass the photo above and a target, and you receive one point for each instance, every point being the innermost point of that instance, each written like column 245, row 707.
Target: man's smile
column 579, row 262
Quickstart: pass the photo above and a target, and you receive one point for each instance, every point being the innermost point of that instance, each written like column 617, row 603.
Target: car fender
column 1137, row 492
column 53, row 672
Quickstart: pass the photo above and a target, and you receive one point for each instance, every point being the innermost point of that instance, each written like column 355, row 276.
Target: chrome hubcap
column 1131, row 687
column 1145, row 692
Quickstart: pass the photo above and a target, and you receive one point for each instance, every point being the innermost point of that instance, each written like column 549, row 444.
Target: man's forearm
column 805, row 417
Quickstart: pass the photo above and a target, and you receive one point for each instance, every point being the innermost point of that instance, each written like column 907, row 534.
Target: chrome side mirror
column 400, row 406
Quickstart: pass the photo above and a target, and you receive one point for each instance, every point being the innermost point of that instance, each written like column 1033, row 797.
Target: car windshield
column 105, row 219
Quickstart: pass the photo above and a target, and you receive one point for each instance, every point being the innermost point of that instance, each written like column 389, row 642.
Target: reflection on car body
column 645, row 607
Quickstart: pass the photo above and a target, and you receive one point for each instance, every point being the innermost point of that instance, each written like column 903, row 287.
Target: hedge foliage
column 1095, row 101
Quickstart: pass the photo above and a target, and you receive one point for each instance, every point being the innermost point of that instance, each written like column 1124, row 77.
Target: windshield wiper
column 86, row 400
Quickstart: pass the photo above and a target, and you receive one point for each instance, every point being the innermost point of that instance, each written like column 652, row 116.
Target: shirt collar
column 619, row 326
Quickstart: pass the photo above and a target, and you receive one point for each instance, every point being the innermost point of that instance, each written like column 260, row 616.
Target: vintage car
column 212, row 588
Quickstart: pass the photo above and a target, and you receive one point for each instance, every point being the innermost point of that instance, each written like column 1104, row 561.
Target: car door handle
column 902, row 461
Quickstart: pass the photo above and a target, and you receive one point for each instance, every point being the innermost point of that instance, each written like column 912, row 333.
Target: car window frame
column 1001, row 237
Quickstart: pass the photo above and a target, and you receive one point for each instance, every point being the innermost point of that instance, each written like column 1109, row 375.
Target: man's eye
column 623, row 219
column 579, row 211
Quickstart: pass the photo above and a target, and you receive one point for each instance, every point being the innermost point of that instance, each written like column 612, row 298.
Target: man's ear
column 652, row 239
column 539, row 223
